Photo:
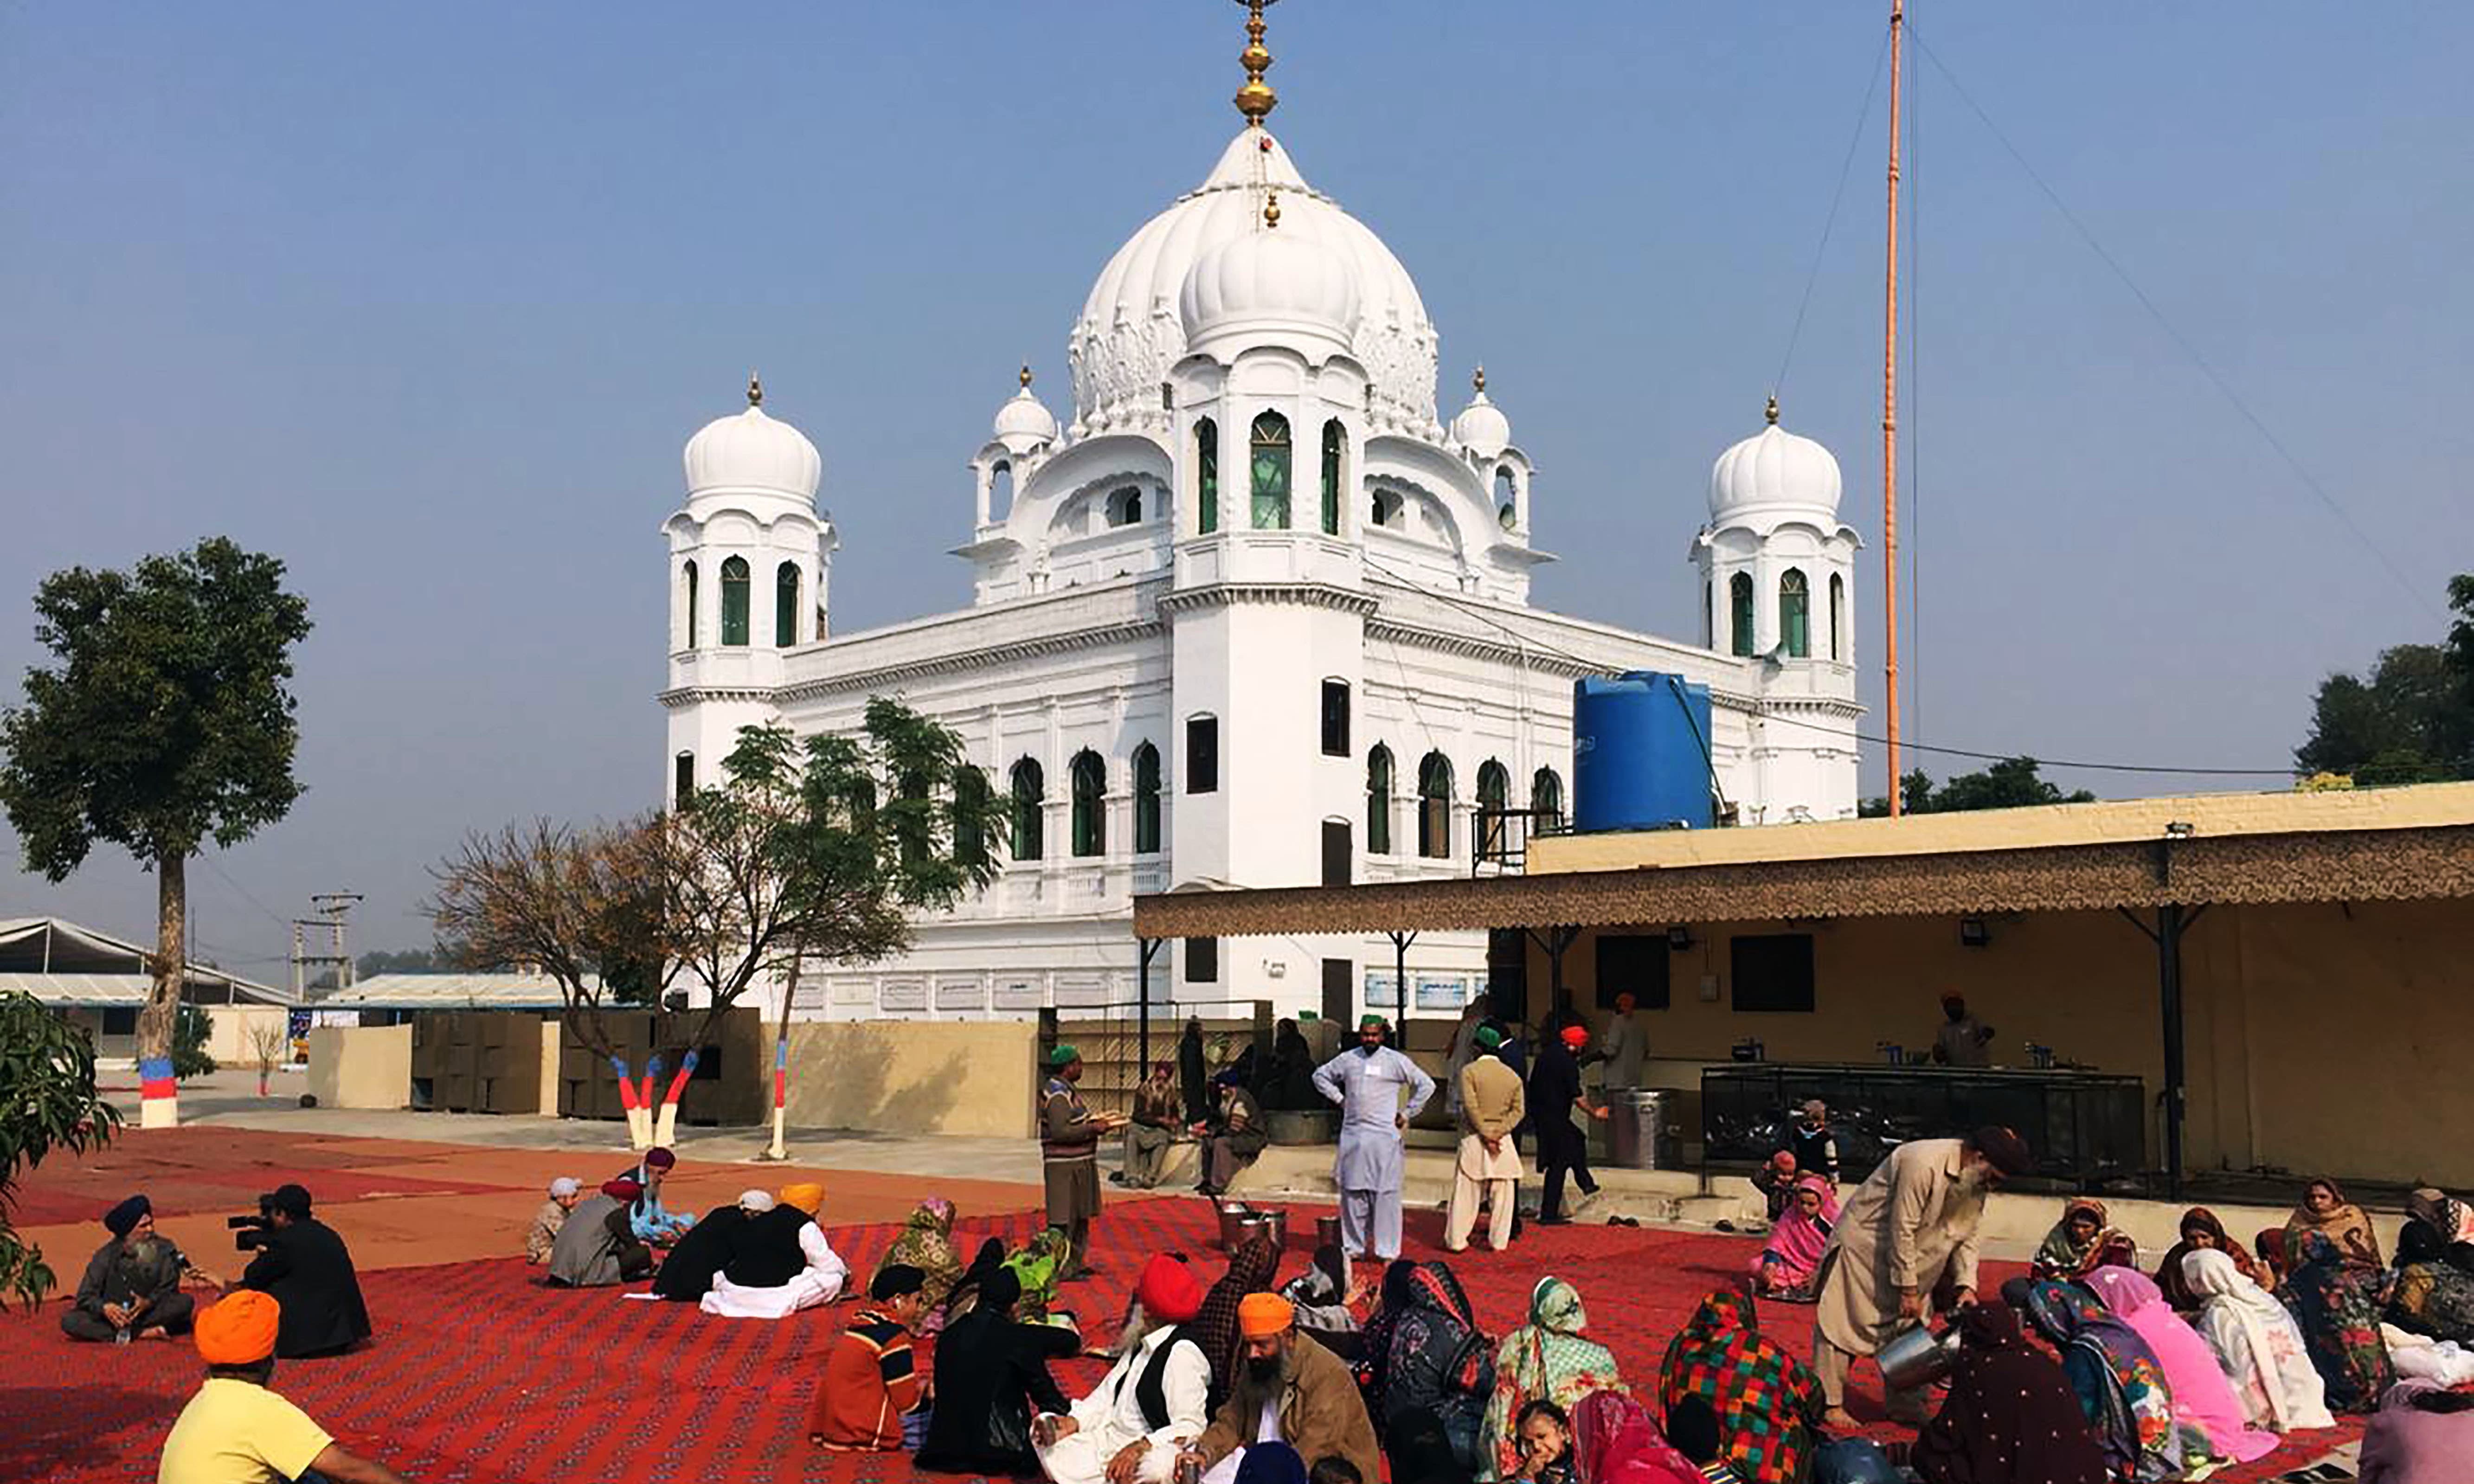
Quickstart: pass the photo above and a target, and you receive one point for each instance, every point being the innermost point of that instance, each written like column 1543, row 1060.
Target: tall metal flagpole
column 1890, row 426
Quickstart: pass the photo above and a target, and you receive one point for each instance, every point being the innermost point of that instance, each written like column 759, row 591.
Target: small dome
column 1774, row 467
column 1481, row 427
column 1025, row 421
column 753, row 452
column 1270, row 284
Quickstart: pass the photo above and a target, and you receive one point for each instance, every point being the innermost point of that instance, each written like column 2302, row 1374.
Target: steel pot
column 1916, row 1357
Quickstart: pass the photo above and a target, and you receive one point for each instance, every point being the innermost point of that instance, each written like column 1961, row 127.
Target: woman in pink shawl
column 2202, row 1398
column 1619, row 1445
column 1785, row 1267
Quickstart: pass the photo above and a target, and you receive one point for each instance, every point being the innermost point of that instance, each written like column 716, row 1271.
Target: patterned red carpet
column 480, row 1375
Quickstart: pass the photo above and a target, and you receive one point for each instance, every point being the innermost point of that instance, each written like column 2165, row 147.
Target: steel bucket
column 1917, row 1357
column 1240, row 1224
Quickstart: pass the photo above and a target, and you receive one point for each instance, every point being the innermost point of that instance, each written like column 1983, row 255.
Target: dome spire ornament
column 1026, row 375
column 1255, row 100
column 755, row 391
column 1770, row 412
column 1271, row 209
column 1477, row 380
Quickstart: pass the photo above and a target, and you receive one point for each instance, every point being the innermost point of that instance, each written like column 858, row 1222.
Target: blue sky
column 426, row 299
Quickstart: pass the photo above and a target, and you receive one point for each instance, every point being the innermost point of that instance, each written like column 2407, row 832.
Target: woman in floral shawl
column 2337, row 1302
column 927, row 1243
column 1786, row 1266
column 2120, row 1386
column 1768, row 1402
column 2202, row 1232
column 2431, row 1294
column 2203, row 1397
column 1424, row 1350
column 2258, row 1346
column 2324, row 1212
column 2079, row 1242
column 2449, row 1219
column 1543, row 1359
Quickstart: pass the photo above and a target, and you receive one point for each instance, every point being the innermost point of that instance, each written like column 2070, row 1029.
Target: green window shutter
column 1207, row 478
column 1269, row 477
column 734, row 601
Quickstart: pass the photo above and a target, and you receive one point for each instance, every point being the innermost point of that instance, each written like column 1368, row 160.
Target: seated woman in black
column 991, row 1379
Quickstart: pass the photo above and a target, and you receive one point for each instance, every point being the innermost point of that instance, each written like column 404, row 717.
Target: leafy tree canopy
column 2013, row 783
column 2410, row 719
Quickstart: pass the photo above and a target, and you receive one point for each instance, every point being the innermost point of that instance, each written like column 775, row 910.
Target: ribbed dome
column 1774, row 467
column 1271, row 285
column 1130, row 329
column 753, row 452
column 1481, row 427
column 1023, row 420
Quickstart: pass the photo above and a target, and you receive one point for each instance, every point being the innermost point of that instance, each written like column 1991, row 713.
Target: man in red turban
column 235, row 1429
column 1154, row 1400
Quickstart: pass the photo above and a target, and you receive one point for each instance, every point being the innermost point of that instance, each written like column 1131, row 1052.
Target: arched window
column 1379, row 801
column 1837, row 617
column 1709, row 614
column 1269, row 472
column 1029, row 798
column 1494, row 793
column 1740, row 601
column 786, row 604
column 999, row 491
column 1386, row 509
column 1435, row 807
column 970, row 806
column 734, row 601
column 1126, row 506
column 859, row 805
column 1090, row 780
column 1147, row 799
column 1206, row 476
column 1547, row 798
column 688, row 579
column 682, row 778
column 1506, row 498
column 1333, row 438
column 1795, row 615
column 913, row 818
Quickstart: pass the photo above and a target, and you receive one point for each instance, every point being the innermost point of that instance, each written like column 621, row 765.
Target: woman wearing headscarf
column 926, row 1242
column 1617, row 1443
column 2449, row 1219
column 1215, row 1325
column 2011, row 1416
column 1038, row 1265
column 1422, row 1351
column 1791, row 1258
column 965, row 1292
column 2202, row 1398
column 2324, row 1212
column 2121, row 1387
column 2274, row 1262
column 1545, row 1358
column 991, row 1379
column 2337, row 1301
column 2421, row 1435
column 2076, row 1245
column 2430, row 1296
column 2257, row 1346
column 2202, row 1233
column 1321, row 1296
column 1768, row 1402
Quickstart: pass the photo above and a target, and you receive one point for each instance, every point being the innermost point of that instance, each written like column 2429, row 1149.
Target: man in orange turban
column 235, row 1430
column 1306, row 1390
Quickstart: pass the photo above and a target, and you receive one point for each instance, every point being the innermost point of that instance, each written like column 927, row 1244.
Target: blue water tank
column 1640, row 753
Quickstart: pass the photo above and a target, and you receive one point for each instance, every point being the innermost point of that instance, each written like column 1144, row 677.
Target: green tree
column 190, row 1031
column 166, row 722
column 2411, row 721
column 801, row 852
column 47, row 1101
column 2013, row 783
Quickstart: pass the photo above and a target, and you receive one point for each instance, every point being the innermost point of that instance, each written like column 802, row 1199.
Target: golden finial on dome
column 1478, row 382
column 755, row 391
column 1770, row 413
column 1271, row 208
column 1255, row 99
column 1026, row 375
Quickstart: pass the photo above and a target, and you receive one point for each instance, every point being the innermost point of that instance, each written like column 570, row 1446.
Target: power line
column 2173, row 332
column 226, row 878
column 1820, row 250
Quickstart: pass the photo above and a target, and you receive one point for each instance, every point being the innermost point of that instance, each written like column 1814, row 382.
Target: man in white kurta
column 1110, row 1419
column 1366, row 1082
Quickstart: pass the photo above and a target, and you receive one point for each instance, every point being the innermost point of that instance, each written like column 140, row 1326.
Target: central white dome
column 1130, row 331
column 1269, row 282
column 1774, row 468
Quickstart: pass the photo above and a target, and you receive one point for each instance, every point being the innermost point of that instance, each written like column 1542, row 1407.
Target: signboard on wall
column 1082, row 994
column 808, row 994
column 1382, row 992
column 961, row 994
column 1442, row 991
column 1019, row 994
column 854, row 989
column 901, row 994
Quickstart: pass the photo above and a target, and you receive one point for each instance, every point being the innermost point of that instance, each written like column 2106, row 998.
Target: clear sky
column 425, row 299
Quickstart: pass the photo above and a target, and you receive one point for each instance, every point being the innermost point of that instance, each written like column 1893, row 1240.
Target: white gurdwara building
column 1254, row 617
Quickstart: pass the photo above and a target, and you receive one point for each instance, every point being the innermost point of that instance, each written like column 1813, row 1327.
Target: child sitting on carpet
column 872, row 1399
column 1545, row 1435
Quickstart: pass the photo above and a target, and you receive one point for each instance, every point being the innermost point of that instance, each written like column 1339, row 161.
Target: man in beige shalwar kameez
column 1491, row 1101
column 1905, row 1235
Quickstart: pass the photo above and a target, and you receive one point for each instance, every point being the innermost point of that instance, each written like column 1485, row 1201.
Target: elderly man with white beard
column 1156, row 1400
column 132, row 1285
column 1905, row 1235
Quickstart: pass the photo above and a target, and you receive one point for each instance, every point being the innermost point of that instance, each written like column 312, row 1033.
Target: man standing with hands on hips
column 1906, row 1235
column 1367, row 1081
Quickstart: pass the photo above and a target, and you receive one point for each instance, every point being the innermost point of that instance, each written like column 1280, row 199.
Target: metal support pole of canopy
column 2172, row 920
column 1400, row 942
column 1150, row 947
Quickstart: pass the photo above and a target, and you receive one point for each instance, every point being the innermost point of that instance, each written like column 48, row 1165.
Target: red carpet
column 479, row 1375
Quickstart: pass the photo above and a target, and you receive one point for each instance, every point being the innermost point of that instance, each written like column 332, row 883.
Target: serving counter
column 2082, row 1126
